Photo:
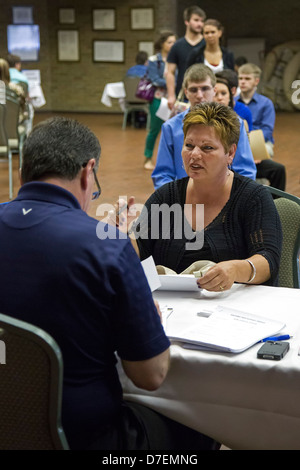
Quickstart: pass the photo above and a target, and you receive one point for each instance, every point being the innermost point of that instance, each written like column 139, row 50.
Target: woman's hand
column 219, row 278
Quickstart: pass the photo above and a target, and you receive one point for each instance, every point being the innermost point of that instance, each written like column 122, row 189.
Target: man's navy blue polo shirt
column 91, row 295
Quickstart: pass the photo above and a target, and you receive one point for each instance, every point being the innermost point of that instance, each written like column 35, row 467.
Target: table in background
column 113, row 90
column 241, row 401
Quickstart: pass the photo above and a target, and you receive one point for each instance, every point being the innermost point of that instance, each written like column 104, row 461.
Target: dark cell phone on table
column 273, row 350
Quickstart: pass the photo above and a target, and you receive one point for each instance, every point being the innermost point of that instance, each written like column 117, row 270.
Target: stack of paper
column 221, row 329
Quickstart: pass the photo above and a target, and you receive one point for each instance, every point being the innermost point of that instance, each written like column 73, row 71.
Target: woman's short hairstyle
column 4, row 71
column 222, row 118
column 198, row 73
column 58, row 147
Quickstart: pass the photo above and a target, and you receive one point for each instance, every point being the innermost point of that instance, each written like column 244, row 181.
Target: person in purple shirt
column 263, row 117
column 199, row 86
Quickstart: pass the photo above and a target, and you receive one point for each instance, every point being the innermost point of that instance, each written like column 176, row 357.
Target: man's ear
column 86, row 173
column 257, row 80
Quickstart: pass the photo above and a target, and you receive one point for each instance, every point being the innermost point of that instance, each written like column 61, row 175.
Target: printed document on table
column 220, row 329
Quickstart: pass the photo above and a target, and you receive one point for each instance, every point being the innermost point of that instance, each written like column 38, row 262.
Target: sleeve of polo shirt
column 137, row 326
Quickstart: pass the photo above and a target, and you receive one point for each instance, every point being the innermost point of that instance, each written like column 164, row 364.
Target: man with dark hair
column 194, row 18
column 89, row 294
column 140, row 67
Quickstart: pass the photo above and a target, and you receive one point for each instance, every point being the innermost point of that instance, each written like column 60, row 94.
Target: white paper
column 222, row 329
column 182, row 282
column 151, row 273
column 163, row 111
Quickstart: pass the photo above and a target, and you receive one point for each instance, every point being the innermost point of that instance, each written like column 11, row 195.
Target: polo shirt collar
column 46, row 192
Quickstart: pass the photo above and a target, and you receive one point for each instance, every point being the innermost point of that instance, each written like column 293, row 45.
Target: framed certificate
column 147, row 46
column 142, row 18
column 108, row 51
column 104, row 19
column 68, row 45
column 22, row 15
column 66, row 15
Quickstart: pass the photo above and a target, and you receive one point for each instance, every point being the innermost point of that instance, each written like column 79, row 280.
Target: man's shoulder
column 263, row 99
column 175, row 121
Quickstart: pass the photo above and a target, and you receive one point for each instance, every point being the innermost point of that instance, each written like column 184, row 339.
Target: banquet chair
column 288, row 207
column 5, row 150
column 132, row 103
column 16, row 132
column 31, row 369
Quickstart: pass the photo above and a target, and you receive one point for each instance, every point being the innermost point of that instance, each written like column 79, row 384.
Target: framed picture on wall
column 22, row 15
column 66, row 15
column 68, row 45
column 108, row 51
column 104, row 19
column 147, row 46
column 142, row 18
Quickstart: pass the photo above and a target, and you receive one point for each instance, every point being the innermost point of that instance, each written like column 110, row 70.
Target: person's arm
column 267, row 121
column 263, row 235
column 223, row 275
column 148, row 374
column 137, row 332
column 243, row 162
column 171, row 84
column 164, row 170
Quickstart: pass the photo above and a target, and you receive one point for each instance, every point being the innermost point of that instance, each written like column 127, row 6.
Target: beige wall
column 78, row 86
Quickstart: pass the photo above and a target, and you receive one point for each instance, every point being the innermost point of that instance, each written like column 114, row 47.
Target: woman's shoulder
column 249, row 188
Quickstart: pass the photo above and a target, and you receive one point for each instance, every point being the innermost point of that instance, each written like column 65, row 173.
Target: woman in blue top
column 155, row 71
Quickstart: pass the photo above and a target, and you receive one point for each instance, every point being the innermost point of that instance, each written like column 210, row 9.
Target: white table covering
column 241, row 401
column 113, row 90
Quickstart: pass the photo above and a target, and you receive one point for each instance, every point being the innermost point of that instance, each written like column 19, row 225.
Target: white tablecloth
column 113, row 90
column 241, row 401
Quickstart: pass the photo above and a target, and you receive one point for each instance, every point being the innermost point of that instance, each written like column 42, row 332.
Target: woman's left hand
column 219, row 278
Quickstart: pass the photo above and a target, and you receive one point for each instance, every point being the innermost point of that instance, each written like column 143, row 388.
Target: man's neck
column 247, row 96
column 193, row 38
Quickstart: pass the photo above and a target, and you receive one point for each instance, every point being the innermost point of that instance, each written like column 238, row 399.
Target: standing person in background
column 155, row 70
column 212, row 54
column 194, row 18
column 140, row 67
